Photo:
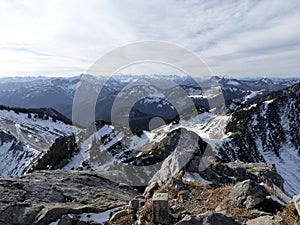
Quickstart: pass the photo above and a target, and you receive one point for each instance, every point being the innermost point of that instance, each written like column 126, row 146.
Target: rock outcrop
column 249, row 195
column 219, row 174
column 223, row 193
column 192, row 144
column 225, row 173
column 45, row 196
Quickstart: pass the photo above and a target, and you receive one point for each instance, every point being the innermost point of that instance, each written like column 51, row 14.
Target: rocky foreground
column 224, row 193
column 46, row 196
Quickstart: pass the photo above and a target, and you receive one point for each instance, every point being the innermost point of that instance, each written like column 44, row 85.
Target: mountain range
column 58, row 93
column 252, row 142
column 261, row 125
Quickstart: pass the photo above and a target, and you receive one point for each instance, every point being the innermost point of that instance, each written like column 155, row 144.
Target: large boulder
column 249, row 194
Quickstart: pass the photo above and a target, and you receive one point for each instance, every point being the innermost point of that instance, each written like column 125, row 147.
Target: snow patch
column 92, row 217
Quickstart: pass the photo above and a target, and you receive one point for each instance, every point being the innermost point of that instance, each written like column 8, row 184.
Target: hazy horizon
column 218, row 75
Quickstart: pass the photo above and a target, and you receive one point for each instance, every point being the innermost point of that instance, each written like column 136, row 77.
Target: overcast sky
column 64, row 38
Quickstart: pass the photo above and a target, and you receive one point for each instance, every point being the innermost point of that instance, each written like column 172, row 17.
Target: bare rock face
column 216, row 172
column 185, row 151
column 45, row 196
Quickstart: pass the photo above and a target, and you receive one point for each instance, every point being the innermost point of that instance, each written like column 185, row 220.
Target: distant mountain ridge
column 58, row 93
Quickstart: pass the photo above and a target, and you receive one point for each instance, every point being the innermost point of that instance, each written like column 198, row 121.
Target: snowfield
column 24, row 140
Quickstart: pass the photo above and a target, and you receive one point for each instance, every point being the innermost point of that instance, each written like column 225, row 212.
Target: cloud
column 55, row 37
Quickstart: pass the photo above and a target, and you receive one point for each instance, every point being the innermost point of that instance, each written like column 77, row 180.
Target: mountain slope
column 25, row 137
column 269, row 130
column 15, row 155
column 265, row 131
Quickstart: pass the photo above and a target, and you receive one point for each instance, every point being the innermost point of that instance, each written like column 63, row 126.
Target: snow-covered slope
column 269, row 130
column 138, row 157
column 265, row 131
column 24, row 138
column 15, row 156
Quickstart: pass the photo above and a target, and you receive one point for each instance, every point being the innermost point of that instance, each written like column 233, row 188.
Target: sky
column 65, row 37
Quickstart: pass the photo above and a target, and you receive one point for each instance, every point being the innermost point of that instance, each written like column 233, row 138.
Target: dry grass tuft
column 290, row 215
column 125, row 220
column 167, row 189
column 146, row 210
